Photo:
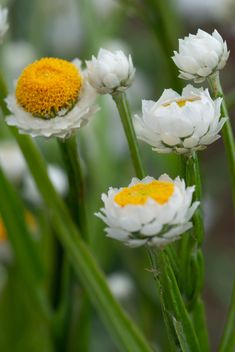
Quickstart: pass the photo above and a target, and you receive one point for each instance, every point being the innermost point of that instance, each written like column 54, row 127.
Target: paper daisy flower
column 3, row 22
column 180, row 123
column 151, row 212
column 12, row 161
column 52, row 98
column 200, row 55
column 110, row 72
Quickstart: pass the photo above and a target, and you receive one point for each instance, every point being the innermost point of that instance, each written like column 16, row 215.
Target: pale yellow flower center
column 160, row 191
column 181, row 102
column 48, row 86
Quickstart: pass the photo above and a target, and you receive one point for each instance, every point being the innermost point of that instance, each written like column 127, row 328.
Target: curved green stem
column 125, row 115
column 227, row 132
column 76, row 183
column 192, row 257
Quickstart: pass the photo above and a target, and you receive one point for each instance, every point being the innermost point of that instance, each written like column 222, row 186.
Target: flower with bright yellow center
column 141, row 192
column 53, row 98
column 48, row 86
column 148, row 211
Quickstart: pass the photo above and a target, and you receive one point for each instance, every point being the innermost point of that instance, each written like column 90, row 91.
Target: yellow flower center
column 160, row 191
column 48, row 86
column 181, row 102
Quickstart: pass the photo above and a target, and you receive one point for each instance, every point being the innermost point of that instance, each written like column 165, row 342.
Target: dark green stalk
column 76, row 183
column 125, row 115
column 227, row 132
column 192, row 262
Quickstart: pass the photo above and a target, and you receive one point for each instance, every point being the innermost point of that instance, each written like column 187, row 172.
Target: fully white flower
column 180, row 123
column 148, row 211
column 110, row 72
column 3, row 22
column 57, row 99
column 58, row 179
column 121, row 285
column 200, row 55
column 12, row 160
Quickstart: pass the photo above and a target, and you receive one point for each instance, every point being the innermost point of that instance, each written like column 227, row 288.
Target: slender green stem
column 76, row 183
column 192, row 257
column 227, row 343
column 125, row 115
column 179, row 317
column 227, row 132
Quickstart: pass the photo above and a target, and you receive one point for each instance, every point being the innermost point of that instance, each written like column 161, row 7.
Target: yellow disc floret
column 182, row 101
column 160, row 191
column 49, row 87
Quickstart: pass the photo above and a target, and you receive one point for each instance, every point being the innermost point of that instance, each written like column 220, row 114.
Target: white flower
column 152, row 212
column 57, row 99
column 58, row 179
column 3, row 22
column 180, row 123
column 110, row 72
column 12, row 161
column 121, row 285
column 200, row 55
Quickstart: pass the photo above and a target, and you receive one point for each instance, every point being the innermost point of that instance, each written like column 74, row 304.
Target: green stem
column 125, row 115
column 227, row 343
column 177, row 312
column 227, row 132
column 192, row 257
column 76, row 183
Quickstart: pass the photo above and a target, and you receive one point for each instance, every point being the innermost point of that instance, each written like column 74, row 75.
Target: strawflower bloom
column 110, row 72
column 3, row 22
column 52, row 98
column 148, row 211
column 180, row 123
column 200, row 55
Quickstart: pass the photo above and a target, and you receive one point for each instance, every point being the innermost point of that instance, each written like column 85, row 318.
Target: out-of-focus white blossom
column 148, row 211
column 12, row 161
column 110, row 72
column 121, row 285
column 200, row 55
column 58, row 179
column 180, row 123
column 3, row 22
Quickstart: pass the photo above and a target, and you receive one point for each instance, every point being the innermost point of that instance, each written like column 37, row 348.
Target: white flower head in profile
column 110, row 72
column 148, row 212
column 200, row 55
column 3, row 22
column 180, row 123
column 52, row 98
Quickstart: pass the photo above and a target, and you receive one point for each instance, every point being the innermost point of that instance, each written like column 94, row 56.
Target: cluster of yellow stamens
column 48, row 86
column 181, row 101
column 160, row 191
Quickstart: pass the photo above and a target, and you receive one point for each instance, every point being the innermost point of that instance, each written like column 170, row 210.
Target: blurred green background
column 148, row 30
